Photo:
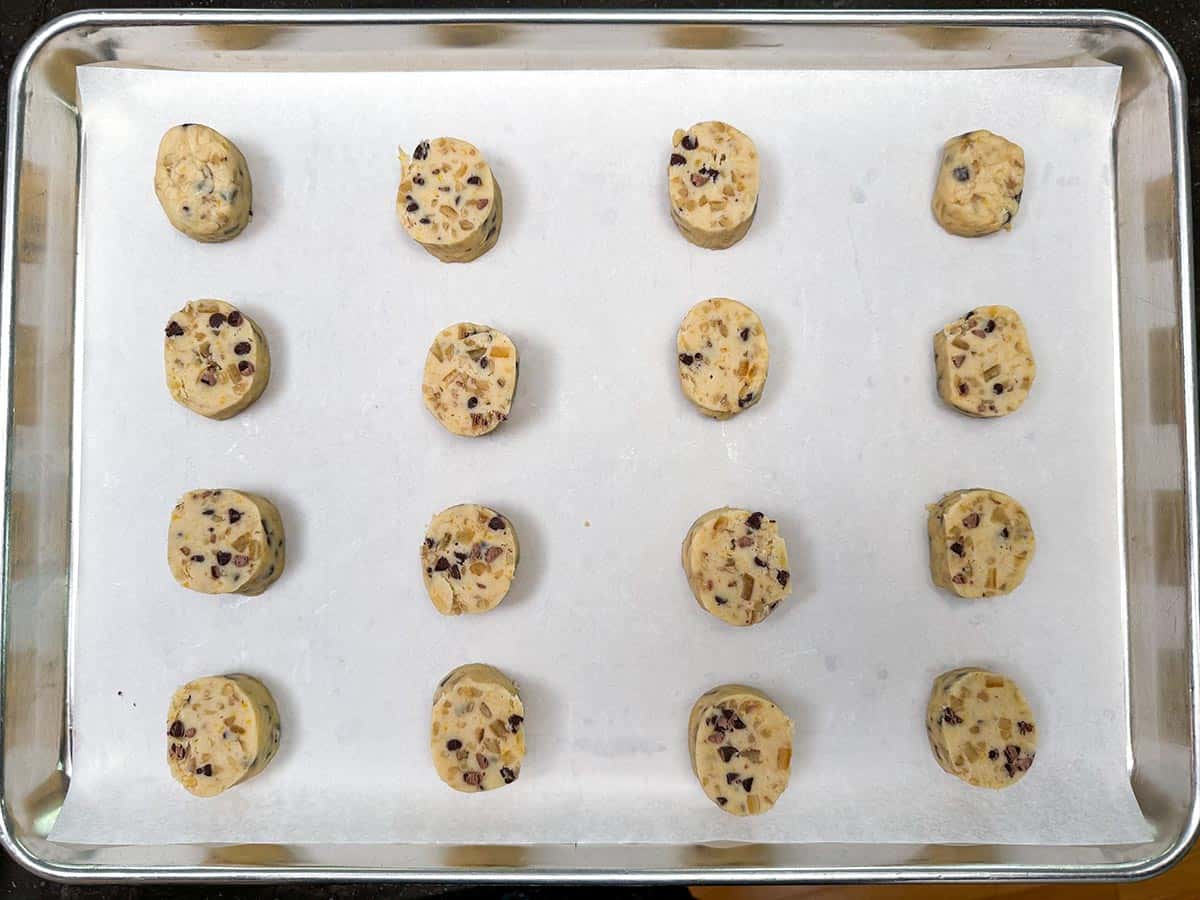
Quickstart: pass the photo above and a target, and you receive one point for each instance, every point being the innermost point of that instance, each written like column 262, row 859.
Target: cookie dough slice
column 979, row 184
column 217, row 359
column 478, row 738
column 712, row 184
column 980, row 543
column 470, row 378
column 980, row 727
column 469, row 557
column 203, row 183
column 224, row 541
column 723, row 357
column 449, row 201
column 740, row 743
column 221, row 731
column 984, row 365
column 736, row 565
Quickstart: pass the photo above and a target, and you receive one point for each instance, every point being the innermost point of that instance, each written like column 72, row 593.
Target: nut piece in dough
column 736, row 565
column 448, row 200
column 224, row 541
column 980, row 727
column 217, row 359
column 478, row 738
column 740, row 743
column 980, row 543
column 470, row 378
column 723, row 357
column 984, row 365
column 712, row 184
column 221, row 731
column 979, row 184
column 203, row 183
column 469, row 557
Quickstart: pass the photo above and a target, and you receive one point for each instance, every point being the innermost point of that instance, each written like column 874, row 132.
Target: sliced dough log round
column 223, row 541
column 221, row 730
column 203, row 183
column 980, row 543
column 217, row 359
column 979, row 184
column 470, row 378
column 478, row 735
column 722, row 356
column 469, row 558
column 736, row 565
column 980, row 727
column 449, row 201
column 712, row 184
column 740, row 743
column 984, row 365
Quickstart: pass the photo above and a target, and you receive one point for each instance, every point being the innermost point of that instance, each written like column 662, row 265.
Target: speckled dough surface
column 470, row 378
column 478, row 734
column 722, row 356
column 980, row 543
column 740, row 744
column 449, row 201
column 984, row 365
column 203, row 183
column 221, row 731
column 223, row 541
column 712, row 184
column 468, row 558
column 217, row 359
column 980, row 727
column 736, row 565
column 979, row 184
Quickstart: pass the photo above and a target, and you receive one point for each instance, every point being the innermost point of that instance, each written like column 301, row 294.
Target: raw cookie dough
column 722, row 357
column 980, row 543
column 980, row 727
column 712, row 183
column 470, row 378
column 736, row 565
column 984, row 365
column 740, row 743
column 448, row 200
column 469, row 557
column 222, row 730
column 478, row 740
column 225, row 542
column 979, row 184
column 203, row 183
column 217, row 359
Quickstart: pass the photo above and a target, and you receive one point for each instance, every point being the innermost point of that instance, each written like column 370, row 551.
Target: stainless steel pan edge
column 632, row 864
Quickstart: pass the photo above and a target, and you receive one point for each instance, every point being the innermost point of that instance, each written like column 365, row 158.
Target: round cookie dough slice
column 736, row 565
column 740, row 743
column 470, row 378
column 221, row 731
column 712, row 184
column 980, row 727
column 449, row 201
column 979, row 184
column 723, row 357
column 980, row 543
column 477, row 740
column 203, row 183
column 984, row 365
column 217, row 359
column 225, row 542
column 469, row 557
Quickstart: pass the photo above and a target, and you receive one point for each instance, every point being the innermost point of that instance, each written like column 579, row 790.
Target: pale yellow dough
column 468, row 558
column 980, row 543
column 203, row 183
column 722, row 357
column 448, row 200
column 223, row 541
column 216, row 357
column 712, row 184
column 979, row 184
column 470, row 378
column 736, row 565
column 984, row 365
column 478, row 735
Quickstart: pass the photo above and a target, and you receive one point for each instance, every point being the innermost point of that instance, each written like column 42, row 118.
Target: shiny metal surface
column 1157, row 402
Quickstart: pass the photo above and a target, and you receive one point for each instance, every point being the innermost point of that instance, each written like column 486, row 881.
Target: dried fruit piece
column 216, row 359
column 996, row 373
column 483, row 541
column 470, row 378
column 233, row 526
column 979, row 184
column 980, row 543
column 712, row 184
column 739, row 581
column 721, row 371
column 203, row 184
column 437, row 173
column 473, row 750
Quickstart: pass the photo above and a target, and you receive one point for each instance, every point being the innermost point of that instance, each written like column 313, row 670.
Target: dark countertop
column 1177, row 20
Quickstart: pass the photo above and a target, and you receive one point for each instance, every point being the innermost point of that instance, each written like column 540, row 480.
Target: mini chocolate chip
column 962, row 173
column 997, row 388
column 950, row 717
column 174, row 329
column 209, row 376
column 424, row 220
column 215, row 572
column 957, row 548
column 472, row 402
column 456, row 573
column 721, row 801
column 971, row 521
column 754, row 520
column 453, row 744
column 699, row 179
column 727, row 753
column 1024, row 727
column 241, row 348
column 473, row 778
column 508, row 775
column 514, row 723
column 216, row 320
column 235, row 318
column 205, row 770
column 1004, row 532
column 960, row 578
column 461, row 557
column 993, row 754
column 234, row 516
column 482, row 760
column 1017, row 196
column 241, row 560
column 475, row 180
column 441, row 565
column 990, row 326
column 412, row 207
column 782, row 577
column 738, row 723
column 743, row 402
column 721, row 601
column 223, row 557
column 760, row 562
column 496, row 523
column 748, row 783
column 744, row 334
column 677, row 159
column 417, row 179
column 176, row 729
column 207, row 512
column 686, row 359
column 1011, row 752
column 429, row 542
column 483, row 363
column 422, row 151
column 190, row 733
column 246, row 367
column 730, row 777
column 445, row 188
column 199, row 557
column 963, row 388
column 689, row 142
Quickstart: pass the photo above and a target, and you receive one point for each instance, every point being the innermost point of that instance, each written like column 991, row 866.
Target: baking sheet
column 603, row 465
